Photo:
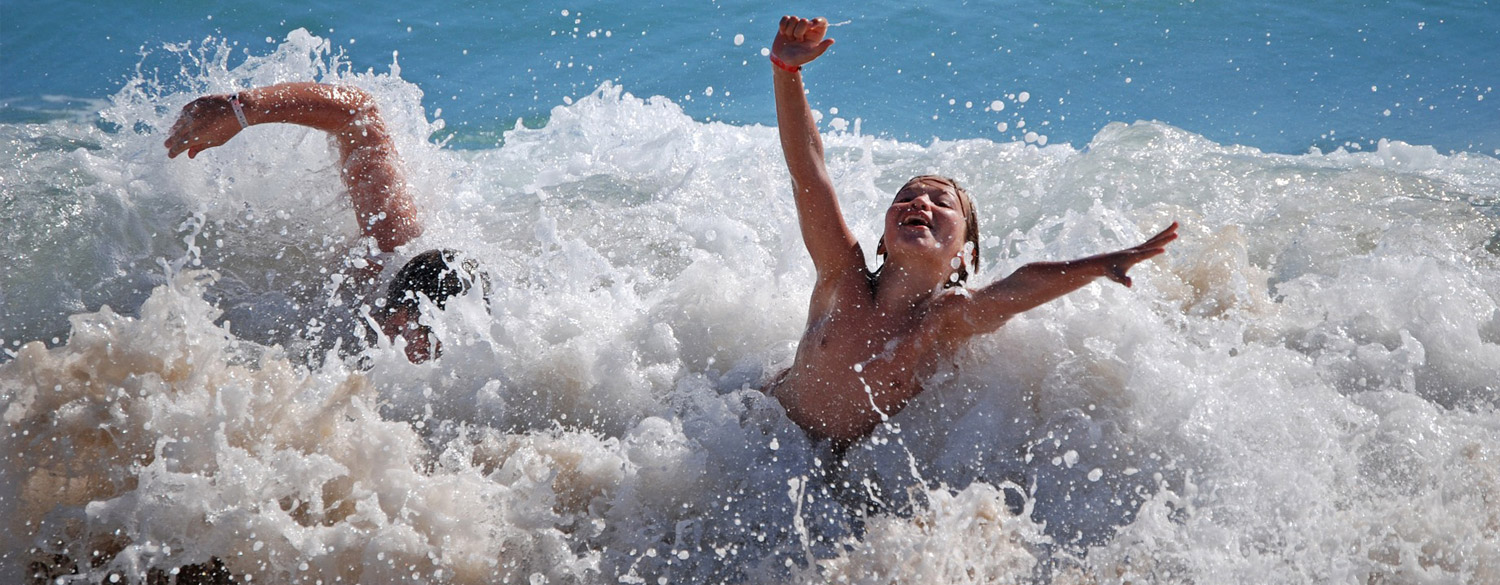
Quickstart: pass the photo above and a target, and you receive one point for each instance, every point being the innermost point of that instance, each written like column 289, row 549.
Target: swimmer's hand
column 1116, row 264
column 800, row 40
column 205, row 122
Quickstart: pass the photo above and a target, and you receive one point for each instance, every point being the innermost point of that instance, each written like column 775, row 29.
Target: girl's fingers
column 1162, row 238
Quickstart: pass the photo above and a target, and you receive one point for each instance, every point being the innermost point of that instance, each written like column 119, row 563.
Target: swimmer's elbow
column 359, row 109
column 351, row 97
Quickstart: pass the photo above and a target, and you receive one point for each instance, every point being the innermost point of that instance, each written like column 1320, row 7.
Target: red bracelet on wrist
column 783, row 65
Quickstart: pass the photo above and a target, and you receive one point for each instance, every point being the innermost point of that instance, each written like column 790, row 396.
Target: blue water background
column 1282, row 76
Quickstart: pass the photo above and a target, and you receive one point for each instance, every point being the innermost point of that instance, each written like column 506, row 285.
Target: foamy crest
column 178, row 447
column 993, row 545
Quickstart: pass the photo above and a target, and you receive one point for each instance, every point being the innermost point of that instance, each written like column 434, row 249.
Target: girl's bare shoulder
column 950, row 312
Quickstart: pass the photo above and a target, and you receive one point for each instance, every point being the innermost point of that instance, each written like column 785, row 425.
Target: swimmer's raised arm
column 834, row 249
column 1039, row 282
column 371, row 168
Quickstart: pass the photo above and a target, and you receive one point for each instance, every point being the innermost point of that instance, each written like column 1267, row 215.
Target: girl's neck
column 900, row 288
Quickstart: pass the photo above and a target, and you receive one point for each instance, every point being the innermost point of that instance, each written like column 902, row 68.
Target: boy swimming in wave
column 372, row 172
column 872, row 337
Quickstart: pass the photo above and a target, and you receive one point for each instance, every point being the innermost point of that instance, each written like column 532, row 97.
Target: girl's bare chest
column 855, row 336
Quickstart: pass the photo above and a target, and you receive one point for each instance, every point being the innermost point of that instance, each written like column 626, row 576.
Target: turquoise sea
column 1303, row 390
column 1279, row 76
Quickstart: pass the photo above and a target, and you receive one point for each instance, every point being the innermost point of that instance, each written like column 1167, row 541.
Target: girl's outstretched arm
column 371, row 168
column 1040, row 282
column 833, row 247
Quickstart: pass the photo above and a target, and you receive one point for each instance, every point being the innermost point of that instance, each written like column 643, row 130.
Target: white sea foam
column 1302, row 390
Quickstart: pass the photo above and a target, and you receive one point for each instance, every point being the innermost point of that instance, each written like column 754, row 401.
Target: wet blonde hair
column 971, row 226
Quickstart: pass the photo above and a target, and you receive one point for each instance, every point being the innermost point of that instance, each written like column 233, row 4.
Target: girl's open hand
column 800, row 40
column 1118, row 263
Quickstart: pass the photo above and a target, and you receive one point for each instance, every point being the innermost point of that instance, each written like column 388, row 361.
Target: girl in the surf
column 873, row 337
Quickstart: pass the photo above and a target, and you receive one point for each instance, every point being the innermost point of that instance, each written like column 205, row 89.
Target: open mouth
column 917, row 220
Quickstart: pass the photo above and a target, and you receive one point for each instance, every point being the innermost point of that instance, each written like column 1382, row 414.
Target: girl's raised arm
column 833, row 247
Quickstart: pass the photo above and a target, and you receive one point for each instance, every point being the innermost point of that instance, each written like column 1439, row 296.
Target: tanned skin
column 872, row 337
column 369, row 166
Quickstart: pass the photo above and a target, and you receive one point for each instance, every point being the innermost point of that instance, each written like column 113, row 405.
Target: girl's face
column 926, row 219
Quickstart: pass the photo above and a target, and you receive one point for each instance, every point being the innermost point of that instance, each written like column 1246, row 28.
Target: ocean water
column 1303, row 390
column 1278, row 75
